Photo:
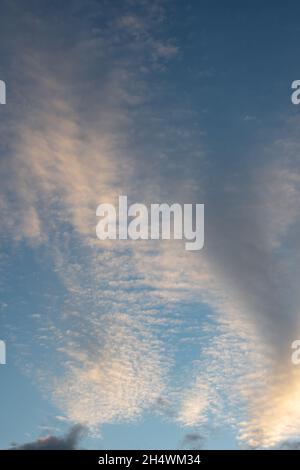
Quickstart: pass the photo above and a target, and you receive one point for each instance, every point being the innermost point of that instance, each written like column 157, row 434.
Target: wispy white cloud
column 60, row 168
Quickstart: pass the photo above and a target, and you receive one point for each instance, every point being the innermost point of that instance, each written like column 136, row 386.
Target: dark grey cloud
column 289, row 445
column 192, row 441
column 68, row 442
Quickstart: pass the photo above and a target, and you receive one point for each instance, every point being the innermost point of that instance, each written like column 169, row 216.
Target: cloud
column 194, row 404
column 192, row 441
column 251, row 257
column 165, row 51
column 289, row 445
column 66, row 157
column 68, row 442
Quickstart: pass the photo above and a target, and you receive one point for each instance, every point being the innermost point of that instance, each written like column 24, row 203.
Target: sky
column 123, row 344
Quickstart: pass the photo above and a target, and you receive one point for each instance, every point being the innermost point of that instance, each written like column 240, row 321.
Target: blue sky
column 143, row 343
